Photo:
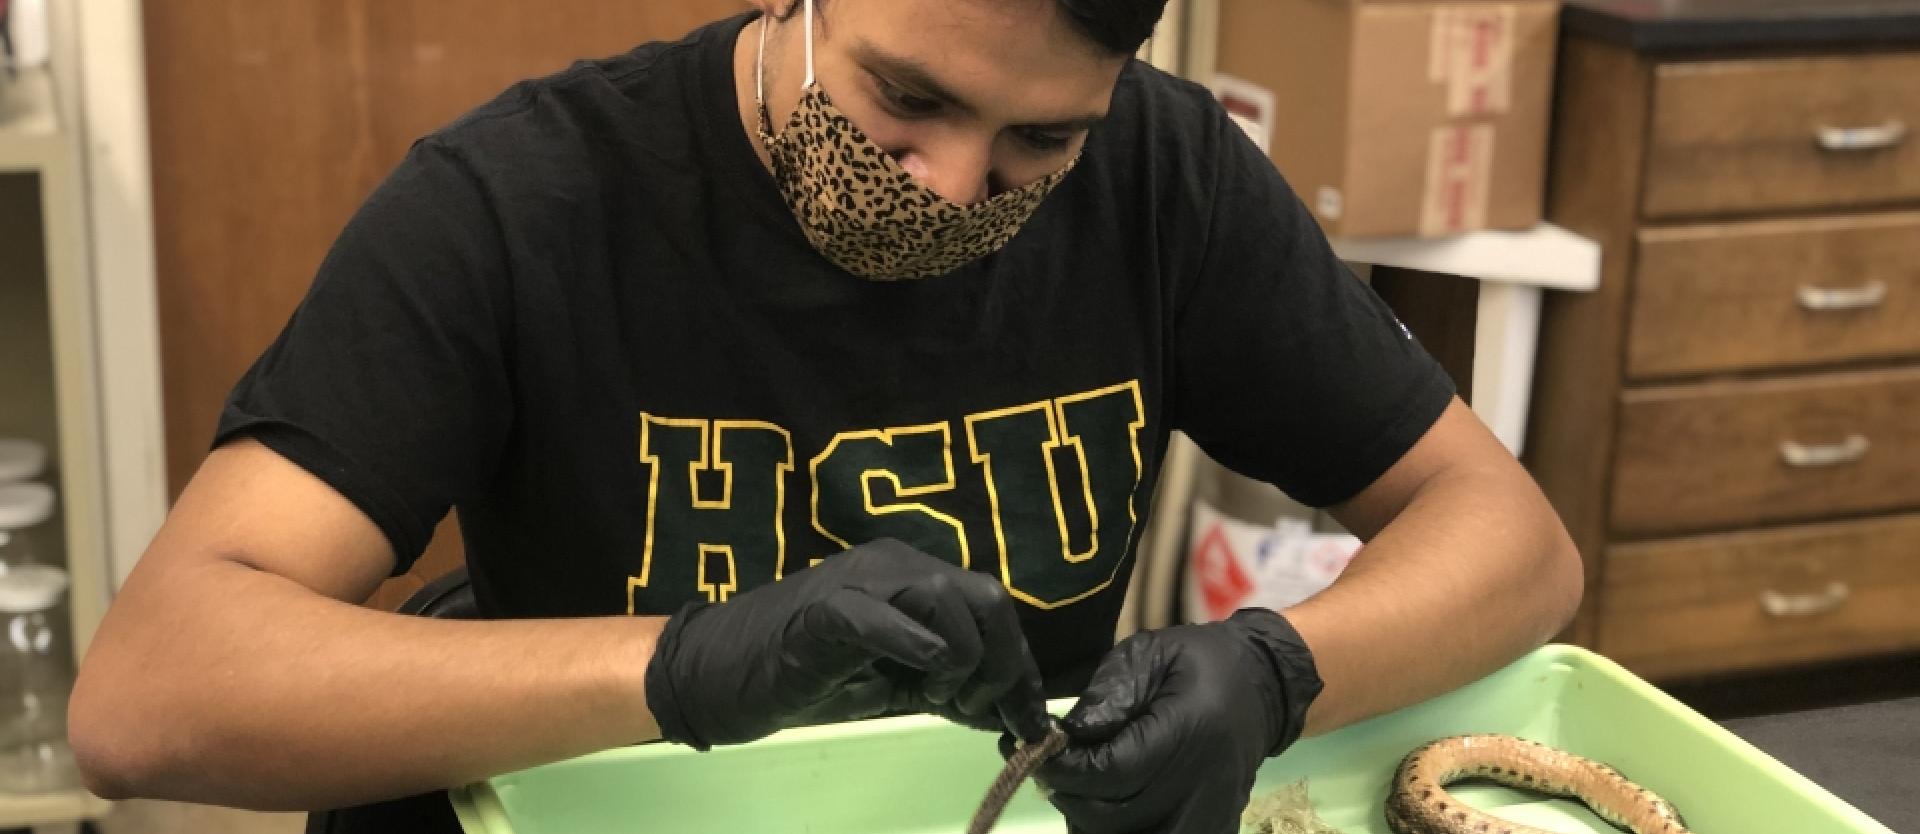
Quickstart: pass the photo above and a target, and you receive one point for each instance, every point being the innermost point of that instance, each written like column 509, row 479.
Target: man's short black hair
column 1118, row 25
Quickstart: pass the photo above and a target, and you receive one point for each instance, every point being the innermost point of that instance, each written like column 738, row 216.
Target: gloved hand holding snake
column 1174, row 725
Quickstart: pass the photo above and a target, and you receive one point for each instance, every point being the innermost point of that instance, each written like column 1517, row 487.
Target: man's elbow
column 101, row 781
column 104, row 766
column 1565, row 584
column 115, row 755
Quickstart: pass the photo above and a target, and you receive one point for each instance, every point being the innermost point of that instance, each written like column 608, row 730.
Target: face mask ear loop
column 760, row 68
column 760, row 59
column 809, row 13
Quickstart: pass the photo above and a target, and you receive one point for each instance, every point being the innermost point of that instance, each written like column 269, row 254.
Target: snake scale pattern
column 1420, row 804
column 1019, row 766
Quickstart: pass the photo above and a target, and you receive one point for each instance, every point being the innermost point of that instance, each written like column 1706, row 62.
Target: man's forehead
column 1015, row 32
column 985, row 54
column 1003, row 14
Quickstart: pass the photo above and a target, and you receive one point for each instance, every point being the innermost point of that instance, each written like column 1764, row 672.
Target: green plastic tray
column 920, row 775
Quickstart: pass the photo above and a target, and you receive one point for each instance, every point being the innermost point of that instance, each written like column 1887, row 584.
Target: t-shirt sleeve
column 390, row 381
column 1289, row 368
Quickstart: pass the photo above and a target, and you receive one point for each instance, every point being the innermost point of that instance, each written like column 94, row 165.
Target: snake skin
column 1419, row 802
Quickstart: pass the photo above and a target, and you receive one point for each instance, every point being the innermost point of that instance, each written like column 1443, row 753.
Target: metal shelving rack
column 34, row 142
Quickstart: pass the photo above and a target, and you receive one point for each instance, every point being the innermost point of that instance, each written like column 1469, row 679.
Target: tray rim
column 480, row 809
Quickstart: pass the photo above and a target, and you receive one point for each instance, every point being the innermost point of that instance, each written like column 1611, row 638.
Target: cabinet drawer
column 1744, row 600
column 1727, row 455
column 1775, row 294
column 1755, row 135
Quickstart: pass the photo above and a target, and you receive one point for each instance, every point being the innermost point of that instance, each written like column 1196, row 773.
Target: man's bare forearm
column 263, row 694
column 1474, row 572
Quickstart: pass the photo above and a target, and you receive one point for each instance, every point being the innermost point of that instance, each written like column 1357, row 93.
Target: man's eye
column 1042, row 140
column 905, row 103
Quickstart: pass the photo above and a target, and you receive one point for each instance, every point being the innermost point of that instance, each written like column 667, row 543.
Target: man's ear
column 776, row 9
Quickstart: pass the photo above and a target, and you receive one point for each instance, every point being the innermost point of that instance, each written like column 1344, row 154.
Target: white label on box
column 1330, row 203
column 1471, row 51
column 1251, row 107
column 1233, row 564
column 1459, row 174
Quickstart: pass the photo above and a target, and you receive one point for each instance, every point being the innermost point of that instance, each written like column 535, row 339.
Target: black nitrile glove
column 876, row 629
column 1175, row 724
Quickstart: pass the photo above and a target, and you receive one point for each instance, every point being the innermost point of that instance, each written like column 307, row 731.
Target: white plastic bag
column 1233, row 564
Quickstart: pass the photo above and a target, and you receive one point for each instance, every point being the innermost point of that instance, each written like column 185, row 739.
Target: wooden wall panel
column 272, row 121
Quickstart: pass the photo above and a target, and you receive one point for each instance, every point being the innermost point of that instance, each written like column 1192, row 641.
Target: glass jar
column 36, row 675
column 21, row 460
column 37, row 679
column 23, row 509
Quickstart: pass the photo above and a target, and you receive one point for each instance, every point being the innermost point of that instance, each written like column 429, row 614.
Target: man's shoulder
column 1163, row 133
column 1156, row 88
column 1157, row 103
column 560, row 123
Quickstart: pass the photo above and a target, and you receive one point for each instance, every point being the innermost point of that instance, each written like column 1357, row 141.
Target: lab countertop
column 1867, row 754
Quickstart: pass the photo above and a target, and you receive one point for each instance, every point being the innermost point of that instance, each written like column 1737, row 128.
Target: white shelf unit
column 1514, row 270
column 34, row 144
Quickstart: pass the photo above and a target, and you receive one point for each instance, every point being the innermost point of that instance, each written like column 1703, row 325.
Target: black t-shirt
column 583, row 316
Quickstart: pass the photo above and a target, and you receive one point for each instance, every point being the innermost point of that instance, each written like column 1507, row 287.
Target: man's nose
column 957, row 171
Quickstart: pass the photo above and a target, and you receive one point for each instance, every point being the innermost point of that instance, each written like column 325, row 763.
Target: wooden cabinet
column 1730, row 426
column 1735, row 454
column 1782, row 133
column 1804, row 592
column 1774, row 295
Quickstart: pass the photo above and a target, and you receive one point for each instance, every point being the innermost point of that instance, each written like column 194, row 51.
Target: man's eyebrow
column 912, row 74
column 1073, row 125
column 906, row 72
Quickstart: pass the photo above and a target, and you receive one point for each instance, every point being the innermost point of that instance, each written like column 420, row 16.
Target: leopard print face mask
column 862, row 210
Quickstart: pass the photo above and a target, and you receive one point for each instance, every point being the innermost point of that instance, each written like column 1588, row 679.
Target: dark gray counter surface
column 1679, row 25
column 1867, row 754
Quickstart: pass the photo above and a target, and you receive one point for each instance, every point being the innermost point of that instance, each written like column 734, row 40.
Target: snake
column 1019, row 767
column 1419, row 803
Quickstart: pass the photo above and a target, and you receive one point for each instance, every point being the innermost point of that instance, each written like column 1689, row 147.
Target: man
column 815, row 367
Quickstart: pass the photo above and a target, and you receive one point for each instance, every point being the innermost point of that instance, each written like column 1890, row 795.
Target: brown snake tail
column 1419, row 802
column 1020, row 765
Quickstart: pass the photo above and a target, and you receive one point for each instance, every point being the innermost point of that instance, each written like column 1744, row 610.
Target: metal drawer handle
column 1853, row 139
column 1804, row 456
column 1777, row 604
column 1823, row 300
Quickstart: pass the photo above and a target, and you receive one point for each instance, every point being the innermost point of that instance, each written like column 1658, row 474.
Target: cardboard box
column 1397, row 117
